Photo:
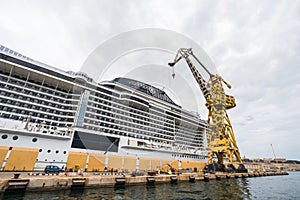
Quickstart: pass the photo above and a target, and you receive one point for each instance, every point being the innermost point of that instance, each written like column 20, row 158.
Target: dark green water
column 270, row 187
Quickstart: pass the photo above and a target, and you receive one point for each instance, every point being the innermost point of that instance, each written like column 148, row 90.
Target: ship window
column 40, row 150
column 15, row 137
column 56, row 151
column 4, row 137
column 49, row 151
column 64, row 152
column 34, row 139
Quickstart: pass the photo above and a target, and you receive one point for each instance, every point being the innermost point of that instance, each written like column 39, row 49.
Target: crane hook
column 173, row 74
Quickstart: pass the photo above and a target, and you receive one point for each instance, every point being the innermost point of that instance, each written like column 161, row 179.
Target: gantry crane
column 221, row 141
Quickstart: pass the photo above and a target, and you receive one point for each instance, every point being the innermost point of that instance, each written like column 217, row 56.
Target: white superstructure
column 59, row 112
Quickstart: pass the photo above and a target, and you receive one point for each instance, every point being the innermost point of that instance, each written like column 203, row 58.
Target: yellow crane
column 221, row 141
column 275, row 158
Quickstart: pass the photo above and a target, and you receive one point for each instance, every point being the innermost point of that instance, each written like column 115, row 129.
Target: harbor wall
column 9, row 182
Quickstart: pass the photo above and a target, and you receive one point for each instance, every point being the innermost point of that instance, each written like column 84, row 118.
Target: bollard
column 192, row 179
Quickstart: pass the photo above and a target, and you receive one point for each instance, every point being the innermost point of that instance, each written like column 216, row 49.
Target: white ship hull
column 48, row 116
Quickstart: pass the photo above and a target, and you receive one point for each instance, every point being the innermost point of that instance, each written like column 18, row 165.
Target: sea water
column 267, row 187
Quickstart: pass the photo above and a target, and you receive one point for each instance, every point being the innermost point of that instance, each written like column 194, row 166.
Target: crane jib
column 222, row 143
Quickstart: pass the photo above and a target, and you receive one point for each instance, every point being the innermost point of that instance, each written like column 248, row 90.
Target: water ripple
column 270, row 187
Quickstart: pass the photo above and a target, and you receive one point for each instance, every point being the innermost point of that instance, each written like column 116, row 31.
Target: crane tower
column 221, row 141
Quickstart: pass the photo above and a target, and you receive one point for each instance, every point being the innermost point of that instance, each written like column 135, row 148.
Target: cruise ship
column 53, row 117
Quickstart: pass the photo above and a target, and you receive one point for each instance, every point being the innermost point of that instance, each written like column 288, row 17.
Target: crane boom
column 273, row 152
column 222, row 141
column 276, row 160
column 184, row 53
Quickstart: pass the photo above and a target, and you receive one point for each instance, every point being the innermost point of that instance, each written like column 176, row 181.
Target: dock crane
column 276, row 160
column 221, row 141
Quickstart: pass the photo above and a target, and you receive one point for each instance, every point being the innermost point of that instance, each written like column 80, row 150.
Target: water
column 269, row 187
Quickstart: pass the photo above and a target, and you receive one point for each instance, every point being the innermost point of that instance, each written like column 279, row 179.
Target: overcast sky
column 255, row 46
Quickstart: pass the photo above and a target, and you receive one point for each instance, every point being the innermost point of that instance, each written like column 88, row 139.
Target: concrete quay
column 40, row 181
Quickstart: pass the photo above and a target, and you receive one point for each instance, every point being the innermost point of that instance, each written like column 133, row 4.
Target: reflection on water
column 76, row 192
column 227, row 189
column 250, row 188
column 13, row 195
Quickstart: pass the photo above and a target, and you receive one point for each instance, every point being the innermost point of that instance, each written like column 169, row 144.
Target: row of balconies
column 191, row 130
column 156, row 114
column 48, row 119
column 21, row 94
column 122, row 110
column 128, row 119
column 127, row 132
column 187, row 139
column 199, row 136
column 128, row 124
column 33, row 84
column 35, row 107
column 188, row 143
column 128, row 111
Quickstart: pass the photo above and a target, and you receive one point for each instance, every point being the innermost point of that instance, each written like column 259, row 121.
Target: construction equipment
column 221, row 141
column 276, row 160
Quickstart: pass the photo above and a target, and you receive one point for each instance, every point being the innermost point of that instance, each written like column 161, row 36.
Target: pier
column 11, row 181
